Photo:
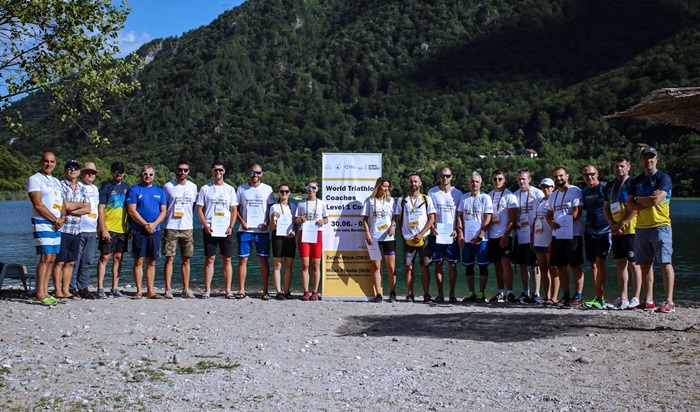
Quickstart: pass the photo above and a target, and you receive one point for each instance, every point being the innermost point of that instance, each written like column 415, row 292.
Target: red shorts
column 311, row 250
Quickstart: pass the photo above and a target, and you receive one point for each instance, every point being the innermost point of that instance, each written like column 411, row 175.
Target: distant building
column 505, row 153
column 530, row 153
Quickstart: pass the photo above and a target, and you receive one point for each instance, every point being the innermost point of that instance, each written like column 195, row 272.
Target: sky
column 153, row 19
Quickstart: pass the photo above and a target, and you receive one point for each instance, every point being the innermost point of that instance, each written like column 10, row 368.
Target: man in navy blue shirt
column 146, row 205
column 597, row 233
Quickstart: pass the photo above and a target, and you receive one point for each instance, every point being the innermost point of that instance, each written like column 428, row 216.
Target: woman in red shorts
column 311, row 215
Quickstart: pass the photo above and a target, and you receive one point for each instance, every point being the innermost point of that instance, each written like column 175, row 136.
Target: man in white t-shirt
column 88, row 233
column 254, row 201
column 505, row 213
column 416, row 214
column 523, row 255
column 180, row 196
column 445, row 198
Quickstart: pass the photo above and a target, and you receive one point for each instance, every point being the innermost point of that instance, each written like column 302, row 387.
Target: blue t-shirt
column 113, row 197
column 593, row 199
column 148, row 201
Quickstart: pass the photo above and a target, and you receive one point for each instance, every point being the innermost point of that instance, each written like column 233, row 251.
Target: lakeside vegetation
column 425, row 83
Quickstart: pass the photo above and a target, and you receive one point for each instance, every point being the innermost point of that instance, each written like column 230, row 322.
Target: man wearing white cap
column 88, row 233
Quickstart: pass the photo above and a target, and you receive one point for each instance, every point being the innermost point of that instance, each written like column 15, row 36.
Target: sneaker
column 646, row 306
column 378, row 299
column 187, row 294
column 410, row 298
column 48, row 301
column 667, row 307
column 576, row 301
column 596, row 303
column 280, row 296
column 427, row 298
column 537, row 299
column 101, row 294
column 523, row 298
column 634, row 302
column 439, row 299
column 480, row 297
column 471, row 297
column 624, row 304
column 314, row 295
column 117, row 293
column 306, row 296
column 288, row 296
column 84, row 293
column 617, row 302
column 511, row 297
column 498, row 298
column 566, row 303
column 168, row 294
column 392, row 296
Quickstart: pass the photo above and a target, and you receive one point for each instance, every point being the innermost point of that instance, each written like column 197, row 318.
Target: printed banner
column 348, row 179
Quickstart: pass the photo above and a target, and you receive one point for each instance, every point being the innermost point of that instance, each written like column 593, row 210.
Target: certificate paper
column 219, row 225
column 255, row 216
column 471, row 230
column 309, row 232
column 444, row 233
column 566, row 227
column 284, row 225
column 374, row 252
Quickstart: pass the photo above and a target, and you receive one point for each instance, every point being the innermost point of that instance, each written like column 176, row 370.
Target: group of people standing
column 540, row 230
column 68, row 217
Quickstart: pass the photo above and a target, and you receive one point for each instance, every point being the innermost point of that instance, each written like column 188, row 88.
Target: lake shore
column 249, row 354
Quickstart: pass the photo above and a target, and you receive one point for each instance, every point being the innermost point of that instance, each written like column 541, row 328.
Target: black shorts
column 597, row 246
column 623, row 247
column 388, row 247
column 118, row 244
column 524, row 255
column 496, row 252
column 566, row 252
column 70, row 248
column 283, row 246
column 224, row 244
column 145, row 245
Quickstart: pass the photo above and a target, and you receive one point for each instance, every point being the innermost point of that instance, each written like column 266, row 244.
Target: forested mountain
column 426, row 83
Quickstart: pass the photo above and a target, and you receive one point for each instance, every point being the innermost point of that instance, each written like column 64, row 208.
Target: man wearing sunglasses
column 181, row 195
column 146, row 204
column 596, row 234
column 112, row 228
column 500, row 243
column 254, row 200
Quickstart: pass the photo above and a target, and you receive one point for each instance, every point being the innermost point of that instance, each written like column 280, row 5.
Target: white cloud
column 130, row 41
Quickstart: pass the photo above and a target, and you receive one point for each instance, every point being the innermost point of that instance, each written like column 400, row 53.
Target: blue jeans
column 86, row 257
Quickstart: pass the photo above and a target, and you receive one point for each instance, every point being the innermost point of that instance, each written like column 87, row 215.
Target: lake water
column 17, row 245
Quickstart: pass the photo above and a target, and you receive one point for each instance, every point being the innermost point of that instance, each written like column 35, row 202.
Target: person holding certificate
column 563, row 213
column 283, row 240
column 380, row 227
column 505, row 213
column 541, row 238
column 254, row 200
column 523, row 255
column 444, row 242
column 474, row 212
column 311, row 214
column 217, row 208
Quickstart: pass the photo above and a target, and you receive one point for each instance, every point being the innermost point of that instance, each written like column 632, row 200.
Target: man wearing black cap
column 77, row 204
column 653, row 239
column 112, row 227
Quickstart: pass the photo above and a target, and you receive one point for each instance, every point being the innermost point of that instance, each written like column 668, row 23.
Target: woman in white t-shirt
column 311, row 212
column 380, row 227
column 541, row 239
column 283, row 236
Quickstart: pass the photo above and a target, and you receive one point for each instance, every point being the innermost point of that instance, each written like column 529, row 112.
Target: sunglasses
column 284, row 192
column 255, row 173
column 311, row 188
column 497, row 179
column 118, row 172
column 589, row 175
column 72, row 168
column 446, row 176
column 147, row 174
column 218, row 170
column 179, row 169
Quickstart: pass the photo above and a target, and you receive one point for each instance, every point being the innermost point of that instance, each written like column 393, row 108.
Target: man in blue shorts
column 146, row 204
column 254, row 200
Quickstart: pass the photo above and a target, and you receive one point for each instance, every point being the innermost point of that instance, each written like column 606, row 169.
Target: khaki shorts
column 174, row 237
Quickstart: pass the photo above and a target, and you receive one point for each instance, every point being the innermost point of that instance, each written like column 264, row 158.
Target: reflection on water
column 17, row 246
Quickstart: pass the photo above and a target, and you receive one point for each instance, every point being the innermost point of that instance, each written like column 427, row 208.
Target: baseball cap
column 72, row 163
column 117, row 166
column 648, row 149
column 547, row 182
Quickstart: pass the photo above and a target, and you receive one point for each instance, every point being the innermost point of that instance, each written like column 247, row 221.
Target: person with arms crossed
column 146, row 206
column 444, row 240
column 88, row 233
column 500, row 243
column 112, row 222
column 524, row 256
column 283, row 241
column 254, row 200
column 416, row 214
column 217, row 209
column 380, row 227
column 311, row 215
column 181, row 196
column 653, row 239
column 474, row 212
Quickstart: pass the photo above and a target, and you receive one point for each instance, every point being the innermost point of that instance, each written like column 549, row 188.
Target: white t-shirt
column 473, row 209
column 51, row 193
column 565, row 202
column 313, row 210
column 415, row 214
column 212, row 197
column 88, row 222
column 254, row 199
column 180, row 198
column 445, row 204
column 502, row 201
column 290, row 209
column 379, row 213
column 526, row 210
column 541, row 229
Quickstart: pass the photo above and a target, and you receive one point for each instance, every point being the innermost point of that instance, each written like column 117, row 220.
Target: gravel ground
column 193, row 355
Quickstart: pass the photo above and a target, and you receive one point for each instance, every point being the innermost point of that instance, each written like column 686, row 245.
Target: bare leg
column 66, row 276
column 578, row 278
column 409, row 280
column 227, row 272
column 425, row 279
column 316, row 267
column 168, row 271
column 377, row 276
column 102, row 269
column 185, row 272
column 669, row 280
column 622, row 277
column 208, row 273
column 648, row 282
column 390, row 261
column 43, row 274
column 116, row 269
column 242, row 273
column 288, row 262
column 276, row 273
column 58, row 277
column 305, row 274
column 507, row 273
column 452, row 274
column 265, row 273
column 138, row 275
column 439, row 277
column 150, row 276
